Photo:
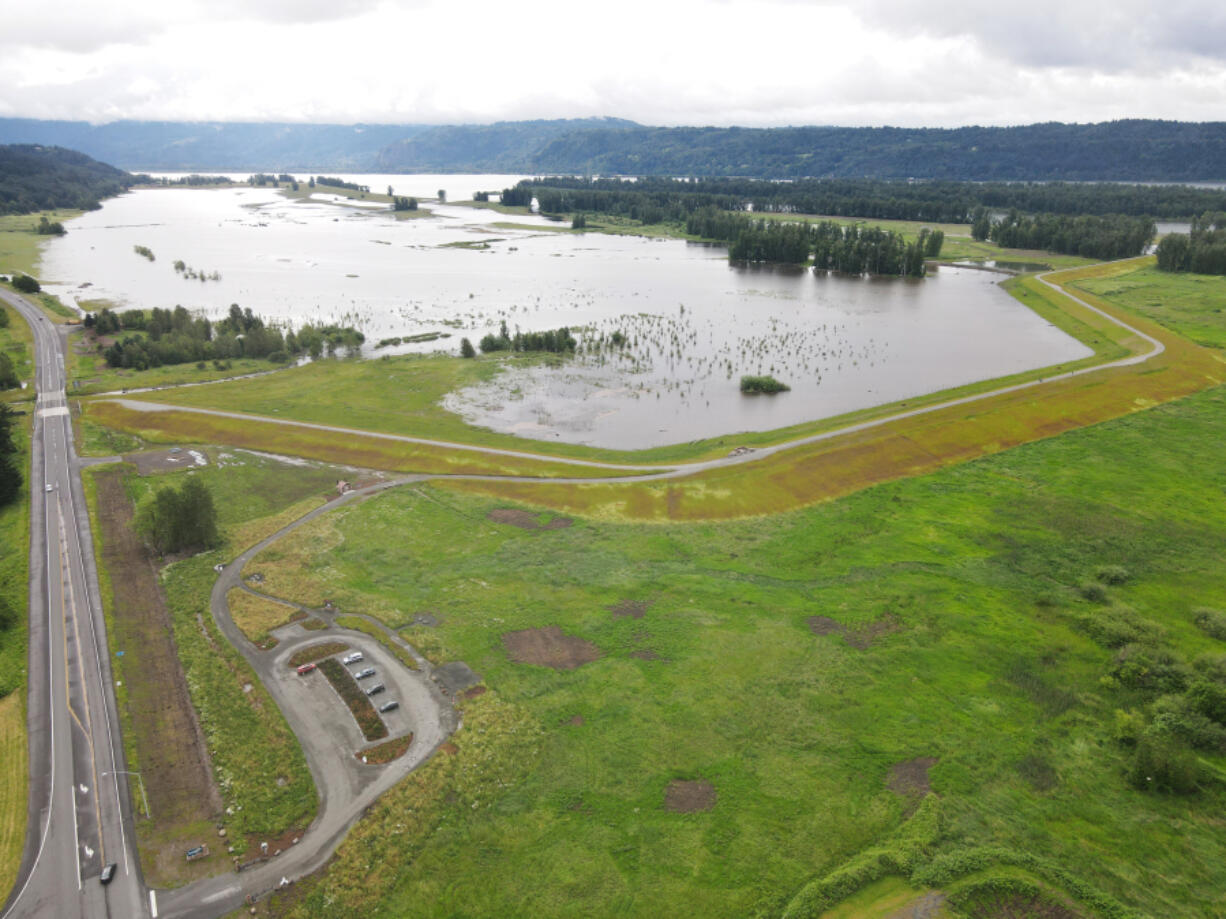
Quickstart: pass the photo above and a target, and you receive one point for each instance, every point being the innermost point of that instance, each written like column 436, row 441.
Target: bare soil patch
column 456, row 676
column 824, row 625
column 1020, row 906
column 910, row 777
column 474, row 691
column 688, row 797
column 576, row 720
column 929, row 906
column 169, row 744
column 629, row 609
column 549, row 647
column 526, row 520
column 449, row 748
column 155, row 461
column 859, row 636
column 646, row 654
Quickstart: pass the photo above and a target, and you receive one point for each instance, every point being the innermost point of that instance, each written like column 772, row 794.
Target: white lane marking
column 153, row 903
column 219, row 895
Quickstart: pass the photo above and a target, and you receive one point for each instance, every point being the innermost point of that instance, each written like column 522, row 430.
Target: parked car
column 364, row 673
column 305, row 669
column 108, row 873
column 352, row 658
column 50, row 487
column 376, row 689
column 389, row 706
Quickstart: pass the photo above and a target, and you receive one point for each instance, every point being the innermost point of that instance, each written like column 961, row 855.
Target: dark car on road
column 363, row 674
column 376, row 689
column 108, row 874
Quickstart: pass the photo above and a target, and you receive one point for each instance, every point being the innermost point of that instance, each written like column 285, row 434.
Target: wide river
column 694, row 323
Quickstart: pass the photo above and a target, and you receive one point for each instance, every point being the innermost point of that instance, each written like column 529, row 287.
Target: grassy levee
column 14, row 607
column 259, row 768
column 350, row 447
column 794, row 661
column 910, row 445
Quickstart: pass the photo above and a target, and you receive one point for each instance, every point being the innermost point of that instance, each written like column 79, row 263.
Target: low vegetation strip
column 348, row 689
column 358, row 624
column 386, row 751
column 348, row 448
column 317, row 653
column 13, row 778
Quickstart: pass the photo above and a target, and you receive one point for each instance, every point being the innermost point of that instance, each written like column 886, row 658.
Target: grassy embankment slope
column 14, row 594
column 17, row 341
column 401, row 395
column 255, row 759
column 803, row 664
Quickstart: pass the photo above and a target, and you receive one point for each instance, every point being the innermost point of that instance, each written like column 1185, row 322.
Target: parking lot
column 330, row 715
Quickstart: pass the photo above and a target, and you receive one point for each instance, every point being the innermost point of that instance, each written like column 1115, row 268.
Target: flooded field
column 686, row 324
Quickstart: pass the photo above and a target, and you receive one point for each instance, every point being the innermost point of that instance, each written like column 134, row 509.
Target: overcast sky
column 721, row 62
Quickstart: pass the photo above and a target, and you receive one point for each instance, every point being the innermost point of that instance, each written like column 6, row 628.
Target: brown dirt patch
column 449, row 748
column 858, row 636
column 549, row 647
column 154, row 461
column 526, row 520
column 910, row 777
column 275, row 843
column 174, row 760
column 1020, row 906
column 929, row 906
column 576, row 720
column 646, row 654
column 475, row 691
column 688, row 797
column 629, row 609
column 823, row 625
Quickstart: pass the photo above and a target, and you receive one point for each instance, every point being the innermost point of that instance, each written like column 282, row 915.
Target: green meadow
column 1010, row 634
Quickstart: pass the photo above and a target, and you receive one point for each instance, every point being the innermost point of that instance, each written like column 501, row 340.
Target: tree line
column 1108, row 237
column 34, row 178
column 555, row 341
column 830, row 246
column 655, row 199
column 179, row 337
column 1203, row 250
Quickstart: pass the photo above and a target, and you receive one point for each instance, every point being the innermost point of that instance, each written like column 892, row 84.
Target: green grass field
column 17, row 341
column 20, row 247
column 956, row 627
column 1193, row 305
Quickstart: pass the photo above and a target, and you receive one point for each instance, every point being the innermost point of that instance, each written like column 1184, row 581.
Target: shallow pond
column 693, row 323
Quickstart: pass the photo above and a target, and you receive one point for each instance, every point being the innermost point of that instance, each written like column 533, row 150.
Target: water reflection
column 693, row 324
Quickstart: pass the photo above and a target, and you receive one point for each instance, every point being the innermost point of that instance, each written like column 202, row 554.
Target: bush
column 467, row 349
column 26, row 284
column 1113, row 574
column 1163, row 764
column 1149, row 669
column 1118, row 626
column 1210, row 621
column 278, row 357
column 763, row 384
column 1094, row 592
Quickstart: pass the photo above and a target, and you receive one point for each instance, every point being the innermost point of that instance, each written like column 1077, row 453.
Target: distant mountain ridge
column 1134, row 150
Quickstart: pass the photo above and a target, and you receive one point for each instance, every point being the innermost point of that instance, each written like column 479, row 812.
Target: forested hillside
column 1119, row 150
column 34, row 178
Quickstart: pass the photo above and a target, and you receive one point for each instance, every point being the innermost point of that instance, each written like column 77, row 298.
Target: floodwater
column 692, row 323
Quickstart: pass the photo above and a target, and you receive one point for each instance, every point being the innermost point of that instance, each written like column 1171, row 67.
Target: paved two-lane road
column 79, row 813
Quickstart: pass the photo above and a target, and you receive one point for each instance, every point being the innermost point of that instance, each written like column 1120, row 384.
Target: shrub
column 1147, row 668
column 1113, row 574
column 1129, row 726
column 1094, row 592
column 1118, row 626
column 762, row 384
column 26, row 284
column 317, row 652
column 1038, row 772
column 1163, row 764
column 1210, row 621
column 467, row 349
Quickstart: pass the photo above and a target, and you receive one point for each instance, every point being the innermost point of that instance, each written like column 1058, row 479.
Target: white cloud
column 753, row 62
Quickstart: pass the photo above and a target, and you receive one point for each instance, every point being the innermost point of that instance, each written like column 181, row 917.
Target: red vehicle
column 305, row 669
